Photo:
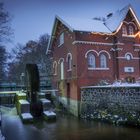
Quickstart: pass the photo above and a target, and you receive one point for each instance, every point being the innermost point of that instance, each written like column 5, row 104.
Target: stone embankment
column 117, row 105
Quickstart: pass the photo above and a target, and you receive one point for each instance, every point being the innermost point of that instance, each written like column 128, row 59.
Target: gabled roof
column 87, row 25
column 108, row 25
column 114, row 21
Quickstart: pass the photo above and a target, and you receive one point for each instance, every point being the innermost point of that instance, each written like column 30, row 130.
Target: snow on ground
column 49, row 113
column 116, row 84
column 45, row 101
column 26, row 116
column 21, row 94
column 119, row 84
column 23, row 102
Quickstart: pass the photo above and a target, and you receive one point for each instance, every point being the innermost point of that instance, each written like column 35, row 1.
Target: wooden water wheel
column 32, row 84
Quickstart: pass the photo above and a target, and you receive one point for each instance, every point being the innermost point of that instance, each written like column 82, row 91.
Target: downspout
column 115, row 55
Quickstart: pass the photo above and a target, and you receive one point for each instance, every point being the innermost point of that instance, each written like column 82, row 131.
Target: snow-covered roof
column 115, row 20
column 108, row 25
column 26, row 116
column 84, row 24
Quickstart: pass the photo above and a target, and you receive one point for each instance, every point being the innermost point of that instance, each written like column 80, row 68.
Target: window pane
column 69, row 62
column 61, row 39
column 131, row 32
column 91, row 61
column 62, row 70
column 103, row 61
column 124, row 31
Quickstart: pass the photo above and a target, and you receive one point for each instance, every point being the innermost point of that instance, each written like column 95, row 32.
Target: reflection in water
column 65, row 128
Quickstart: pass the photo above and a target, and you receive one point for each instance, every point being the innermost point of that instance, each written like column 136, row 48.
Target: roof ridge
column 118, row 16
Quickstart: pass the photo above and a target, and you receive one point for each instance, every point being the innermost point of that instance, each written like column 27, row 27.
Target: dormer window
column 61, row 39
column 124, row 30
column 131, row 30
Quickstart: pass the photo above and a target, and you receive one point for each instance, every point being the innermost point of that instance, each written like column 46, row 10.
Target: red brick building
column 87, row 51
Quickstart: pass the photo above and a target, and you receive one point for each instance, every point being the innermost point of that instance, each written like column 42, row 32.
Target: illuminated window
column 62, row 70
column 128, row 57
column 91, row 61
column 103, row 61
column 61, row 39
column 131, row 30
column 124, row 30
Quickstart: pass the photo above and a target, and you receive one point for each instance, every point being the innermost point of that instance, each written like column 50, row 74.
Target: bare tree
column 3, row 59
column 32, row 52
column 5, row 29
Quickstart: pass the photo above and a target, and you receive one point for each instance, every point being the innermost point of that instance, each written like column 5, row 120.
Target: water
column 65, row 128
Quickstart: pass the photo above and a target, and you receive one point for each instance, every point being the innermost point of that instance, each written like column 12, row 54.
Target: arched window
column 124, row 30
column 69, row 61
column 55, row 68
column 128, row 56
column 91, row 60
column 131, row 30
column 61, row 70
column 103, row 61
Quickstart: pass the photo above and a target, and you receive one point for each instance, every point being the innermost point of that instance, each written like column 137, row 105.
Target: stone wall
column 122, row 103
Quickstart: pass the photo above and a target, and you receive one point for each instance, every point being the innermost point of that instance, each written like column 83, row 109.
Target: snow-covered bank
column 115, row 84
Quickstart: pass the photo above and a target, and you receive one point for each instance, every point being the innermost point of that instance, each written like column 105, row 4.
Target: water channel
column 66, row 127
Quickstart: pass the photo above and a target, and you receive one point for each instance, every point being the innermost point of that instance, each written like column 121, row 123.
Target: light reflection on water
column 65, row 128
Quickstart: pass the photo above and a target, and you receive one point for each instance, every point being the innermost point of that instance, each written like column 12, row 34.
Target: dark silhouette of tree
column 5, row 29
column 34, row 52
column 5, row 34
column 3, row 59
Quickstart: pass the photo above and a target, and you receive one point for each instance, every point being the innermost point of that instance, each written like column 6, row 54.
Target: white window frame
column 103, row 61
column 130, row 56
column 61, row 39
column 131, row 30
column 91, row 60
column 62, row 70
column 124, row 30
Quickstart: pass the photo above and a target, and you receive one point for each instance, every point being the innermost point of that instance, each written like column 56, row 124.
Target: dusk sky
column 32, row 18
